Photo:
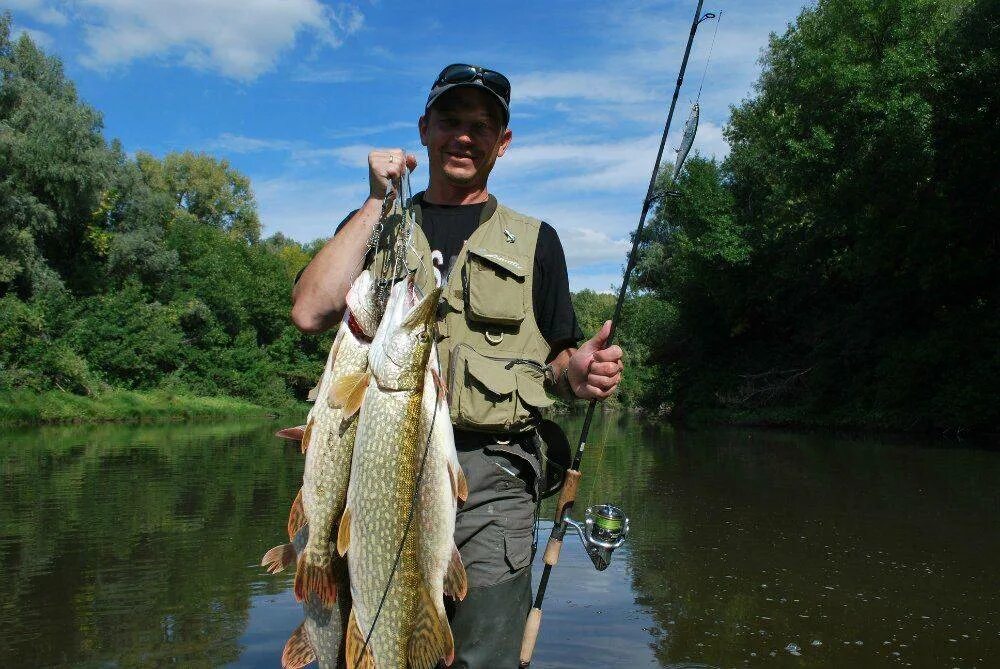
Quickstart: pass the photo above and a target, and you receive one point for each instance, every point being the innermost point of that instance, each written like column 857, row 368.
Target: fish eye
column 422, row 337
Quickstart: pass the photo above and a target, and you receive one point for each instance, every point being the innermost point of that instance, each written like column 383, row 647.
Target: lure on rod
column 605, row 527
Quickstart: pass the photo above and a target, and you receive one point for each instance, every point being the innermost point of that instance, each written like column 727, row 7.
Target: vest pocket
column 494, row 285
column 493, row 393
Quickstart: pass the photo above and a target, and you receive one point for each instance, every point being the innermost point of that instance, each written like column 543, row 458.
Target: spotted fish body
column 411, row 629
column 329, row 443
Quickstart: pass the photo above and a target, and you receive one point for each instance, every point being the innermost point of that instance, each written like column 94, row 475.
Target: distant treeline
column 133, row 273
column 839, row 267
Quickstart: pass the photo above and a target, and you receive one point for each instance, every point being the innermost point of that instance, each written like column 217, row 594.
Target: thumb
column 596, row 343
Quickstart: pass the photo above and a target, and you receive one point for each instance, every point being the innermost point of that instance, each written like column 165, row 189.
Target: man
column 507, row 325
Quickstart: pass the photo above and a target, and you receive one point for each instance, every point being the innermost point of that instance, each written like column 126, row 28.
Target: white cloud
column 39, row 10
column 240, row 39
column 306, row 209
column 581, row 85
column 230, row 143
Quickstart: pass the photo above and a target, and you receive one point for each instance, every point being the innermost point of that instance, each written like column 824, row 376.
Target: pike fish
column 328, row 442
column 397, row 531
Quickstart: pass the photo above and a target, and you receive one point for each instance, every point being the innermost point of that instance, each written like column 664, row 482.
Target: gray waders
column 494, row 533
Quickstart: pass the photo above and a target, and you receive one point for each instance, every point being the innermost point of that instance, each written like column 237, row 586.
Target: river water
column 139, row 546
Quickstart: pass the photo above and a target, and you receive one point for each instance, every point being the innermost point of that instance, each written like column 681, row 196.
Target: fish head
column 408, row 343
column 363, row 304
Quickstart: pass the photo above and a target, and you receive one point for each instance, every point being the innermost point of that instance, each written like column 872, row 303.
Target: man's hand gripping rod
column 607, row 535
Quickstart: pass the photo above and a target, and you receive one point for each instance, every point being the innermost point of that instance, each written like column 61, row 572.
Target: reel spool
column 605, row 528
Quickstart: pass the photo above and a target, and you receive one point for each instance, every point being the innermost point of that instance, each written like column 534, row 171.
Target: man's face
column 463, row 135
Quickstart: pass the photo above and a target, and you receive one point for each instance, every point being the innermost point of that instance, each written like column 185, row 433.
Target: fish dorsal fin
column 456, row 583
column 278, row 558
column 296, row 516
column 315, row 579
column 344, row 532
column 348, row 391
column 431, row 639
column 354, row 642
column 459, row 484
column 298, row 651
column 292, row 433
column 307, row 435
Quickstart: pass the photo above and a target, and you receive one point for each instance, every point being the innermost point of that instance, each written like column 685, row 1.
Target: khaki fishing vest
column 492, row 352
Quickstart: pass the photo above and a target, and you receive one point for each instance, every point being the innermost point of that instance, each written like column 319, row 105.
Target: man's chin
column 461, row 177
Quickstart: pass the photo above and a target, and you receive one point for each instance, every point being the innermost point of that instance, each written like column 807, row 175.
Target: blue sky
column 295, row 92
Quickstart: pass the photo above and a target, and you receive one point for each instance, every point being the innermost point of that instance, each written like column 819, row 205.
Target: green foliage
column 841, row 265
column 133, row 274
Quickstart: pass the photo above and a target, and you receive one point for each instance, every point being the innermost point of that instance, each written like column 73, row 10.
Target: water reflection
column 139, row 546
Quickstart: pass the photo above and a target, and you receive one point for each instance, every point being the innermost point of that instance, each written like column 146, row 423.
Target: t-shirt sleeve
column 550, row 293
column 340, row 226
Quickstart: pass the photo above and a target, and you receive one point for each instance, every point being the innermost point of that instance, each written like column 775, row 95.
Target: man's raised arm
column 318, row 298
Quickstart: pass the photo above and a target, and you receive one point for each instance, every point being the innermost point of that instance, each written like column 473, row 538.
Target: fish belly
column 383, row 478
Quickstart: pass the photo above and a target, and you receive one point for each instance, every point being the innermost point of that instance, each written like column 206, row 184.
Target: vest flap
column 496, row 378
column 531, row 392
column 511, row 264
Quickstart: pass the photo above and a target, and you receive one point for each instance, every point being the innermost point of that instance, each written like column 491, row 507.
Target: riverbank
column 27, row 408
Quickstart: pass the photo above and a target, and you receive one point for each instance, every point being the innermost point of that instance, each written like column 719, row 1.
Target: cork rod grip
column 530, row 636
column 568, row 494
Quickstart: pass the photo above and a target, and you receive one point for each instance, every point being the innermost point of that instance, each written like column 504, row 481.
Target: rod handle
column 552, row 549
column 568, row 494
column 530, row 636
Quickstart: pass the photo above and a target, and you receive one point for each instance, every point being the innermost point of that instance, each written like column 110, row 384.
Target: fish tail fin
column 456, row 582
column 348, row 391
column 291, row 433
column 298, row 650
column 431, row 639
column 278, row 558
column 344, row 532
column 358, row 655
column 315, row 579
column 296, row 516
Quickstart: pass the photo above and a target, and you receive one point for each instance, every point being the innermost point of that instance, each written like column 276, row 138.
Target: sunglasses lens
column 457, row 74
column 460, row 74
column 497, row 83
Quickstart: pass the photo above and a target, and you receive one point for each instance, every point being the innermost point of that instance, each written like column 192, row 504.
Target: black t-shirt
column 448, row 226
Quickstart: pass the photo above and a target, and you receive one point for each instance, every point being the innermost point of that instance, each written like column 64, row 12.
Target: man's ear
column 504, row 141
column 422, row 127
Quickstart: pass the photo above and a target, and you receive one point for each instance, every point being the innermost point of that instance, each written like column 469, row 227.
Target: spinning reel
column 605, row 528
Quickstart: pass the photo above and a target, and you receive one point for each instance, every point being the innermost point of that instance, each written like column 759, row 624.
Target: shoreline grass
column 54, row 406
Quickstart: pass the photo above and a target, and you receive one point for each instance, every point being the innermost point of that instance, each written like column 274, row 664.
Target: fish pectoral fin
column 348, row 391
column 431, row 639
column 278, row 558
column 442, row 389
column 315, row 579
column 296, row 516
column 344, row 533
column 456, row 582
column 298, row 650
column 355, row 641
column 291, row 433
column 306, row 436
column 459, row 484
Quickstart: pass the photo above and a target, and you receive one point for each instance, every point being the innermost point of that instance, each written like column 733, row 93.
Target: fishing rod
column 605, row 527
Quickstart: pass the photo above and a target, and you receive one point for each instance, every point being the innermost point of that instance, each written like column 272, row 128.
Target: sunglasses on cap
column 460, row 73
